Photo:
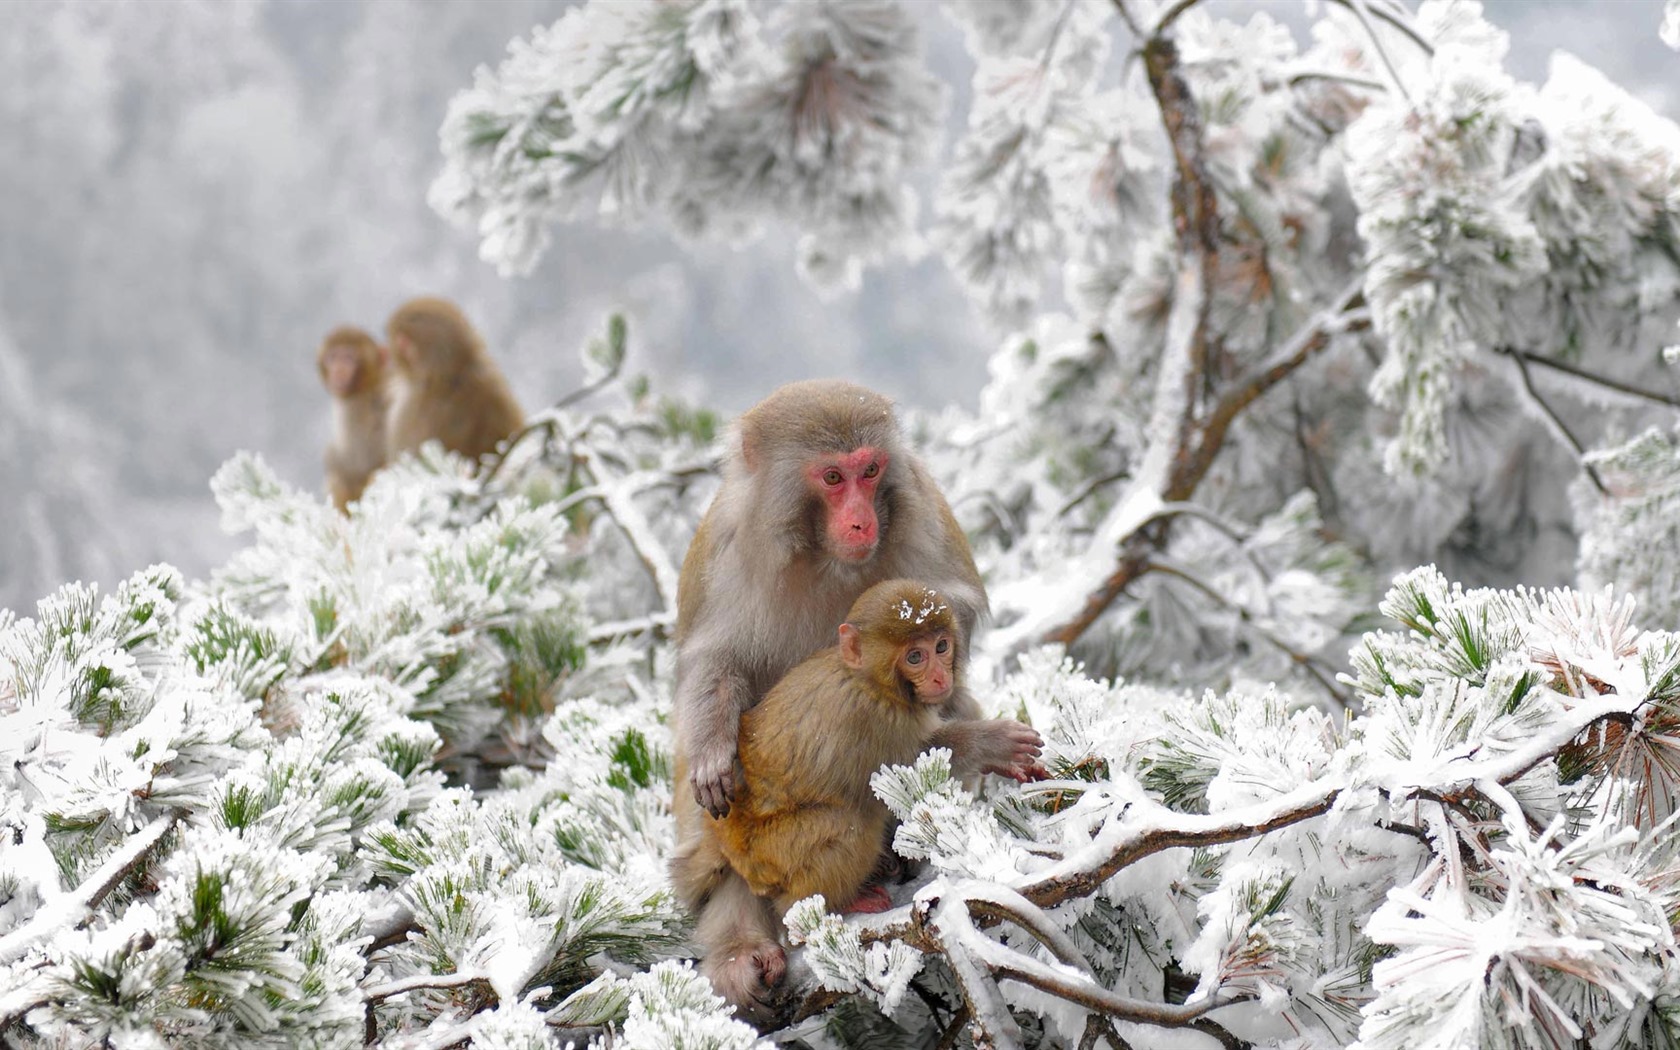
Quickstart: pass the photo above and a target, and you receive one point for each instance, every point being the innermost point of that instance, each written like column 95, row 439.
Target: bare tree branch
column 1616, row 385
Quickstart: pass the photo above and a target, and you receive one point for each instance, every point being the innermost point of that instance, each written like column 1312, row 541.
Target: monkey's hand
column 1003, row 745
column 714, row 777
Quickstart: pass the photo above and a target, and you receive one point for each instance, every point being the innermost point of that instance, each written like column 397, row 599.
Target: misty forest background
column 194, row 193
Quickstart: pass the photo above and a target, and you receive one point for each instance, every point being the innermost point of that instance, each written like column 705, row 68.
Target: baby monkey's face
column 928, row 662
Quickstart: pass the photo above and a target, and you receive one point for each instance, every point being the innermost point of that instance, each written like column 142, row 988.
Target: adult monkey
column 352, row 367
column 446, row 386
column 819, row 502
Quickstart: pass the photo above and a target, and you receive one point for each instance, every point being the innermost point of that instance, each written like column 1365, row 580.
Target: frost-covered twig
column 953, row 934
column 71, row 908
column 1191, row 449
column 440, row 1035
column 1000, row 903
column 657, row 625
column 381, row 992
column 1345, row 314
column 27, row 996
column 954, row 925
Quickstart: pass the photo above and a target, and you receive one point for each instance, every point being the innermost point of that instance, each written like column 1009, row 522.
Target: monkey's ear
column 851, row 646
column 750, row 454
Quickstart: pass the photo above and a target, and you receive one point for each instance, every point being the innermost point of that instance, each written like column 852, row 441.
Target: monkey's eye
column 913, row 657
column 872, row 470
column 944, row 646
column 832, row 477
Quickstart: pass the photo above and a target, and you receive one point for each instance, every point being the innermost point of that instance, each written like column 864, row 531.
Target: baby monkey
column 805, row 820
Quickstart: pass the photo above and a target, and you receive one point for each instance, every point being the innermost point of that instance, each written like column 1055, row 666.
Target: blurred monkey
column 446, row 387
column 352, row 368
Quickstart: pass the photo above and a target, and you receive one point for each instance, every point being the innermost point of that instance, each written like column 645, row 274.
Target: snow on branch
column 73, row 907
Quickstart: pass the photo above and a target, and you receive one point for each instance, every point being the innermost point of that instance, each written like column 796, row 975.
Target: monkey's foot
column 747, row 978
column 873, row 899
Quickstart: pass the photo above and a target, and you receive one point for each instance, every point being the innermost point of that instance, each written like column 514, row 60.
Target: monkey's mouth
column 855, row 552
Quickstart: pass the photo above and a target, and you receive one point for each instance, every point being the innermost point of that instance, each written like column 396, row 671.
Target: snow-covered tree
column 1275, row 321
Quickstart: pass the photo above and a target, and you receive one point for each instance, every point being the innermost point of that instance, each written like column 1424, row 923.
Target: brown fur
column 759, row 593
column 357, row 448
column 448, row 390
column 805, row 820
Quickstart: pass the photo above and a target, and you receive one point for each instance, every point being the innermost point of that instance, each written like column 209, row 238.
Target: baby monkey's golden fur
column 805, row 820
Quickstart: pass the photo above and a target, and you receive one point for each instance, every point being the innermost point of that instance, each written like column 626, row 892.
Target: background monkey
column 352, row 368
column 805, row 820
column 447, row 388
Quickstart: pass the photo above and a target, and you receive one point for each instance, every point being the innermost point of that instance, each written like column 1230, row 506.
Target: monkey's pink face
column 846, row 484
column 340, row 365
column 928, row 663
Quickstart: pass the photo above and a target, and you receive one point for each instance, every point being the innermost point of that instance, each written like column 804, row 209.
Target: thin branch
column 29, row 995
column 381, row 992
column 439, row 1035
column 953, row 1033
column 70, row 908
column 1171, row 15
column 1363, row 13
column 1345, row 314
column 546, row 420
column 1079, row 988
column 1131, row 23
column 1101, row 1027
column 1398, row 19
column 1090, row 489
column 1558, row 426
column 658, row 625
column 1144, row 828
column 1350, row 79
column 1597, row 380
column 1320, row 672
column 544, row 424
column 1000, row 903
column 1192, row 461
column 954, row 934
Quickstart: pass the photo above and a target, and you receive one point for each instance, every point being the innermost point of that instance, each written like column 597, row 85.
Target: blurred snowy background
column 193, row 193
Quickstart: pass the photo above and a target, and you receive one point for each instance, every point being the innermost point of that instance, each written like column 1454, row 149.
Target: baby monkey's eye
column 914, row 656
column 944, row 646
